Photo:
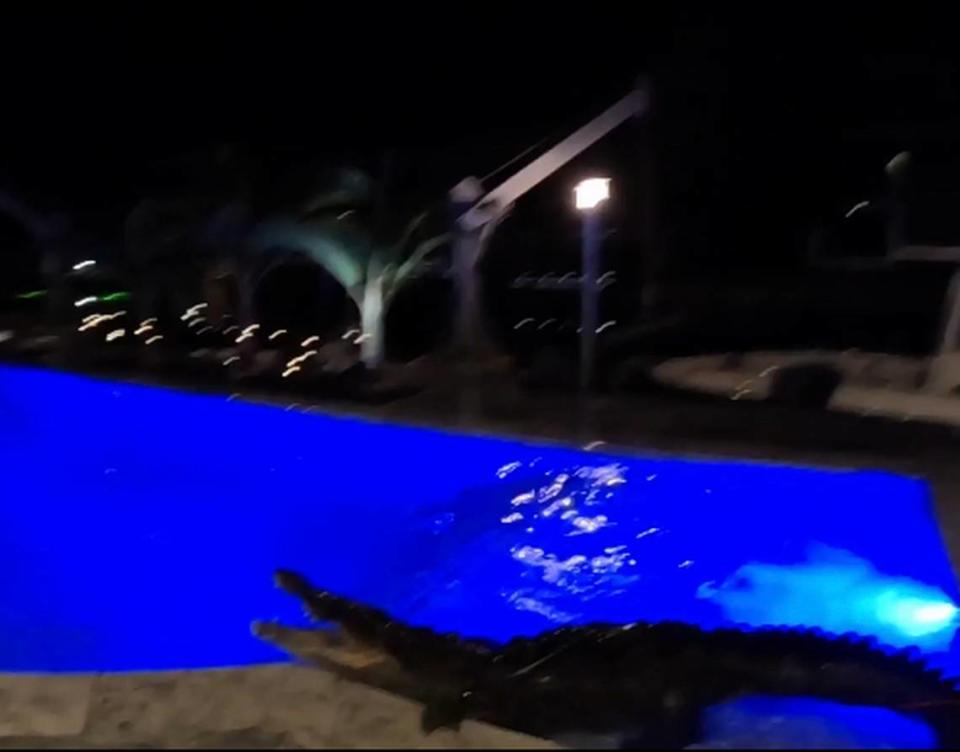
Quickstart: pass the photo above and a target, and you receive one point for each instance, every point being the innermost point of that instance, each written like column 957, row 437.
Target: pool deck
column 291, row 706
column 261, row 707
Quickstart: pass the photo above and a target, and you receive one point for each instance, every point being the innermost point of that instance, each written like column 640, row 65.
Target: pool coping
column 479, row 425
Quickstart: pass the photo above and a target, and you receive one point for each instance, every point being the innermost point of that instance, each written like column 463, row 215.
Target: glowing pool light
column 937, row 614
column 140, row 528
column 918, row 618
column 838, row 591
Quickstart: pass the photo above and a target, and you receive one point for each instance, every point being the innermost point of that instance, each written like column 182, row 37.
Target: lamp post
column 589, row 197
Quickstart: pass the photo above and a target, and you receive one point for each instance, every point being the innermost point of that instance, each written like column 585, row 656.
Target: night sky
column 764, row 120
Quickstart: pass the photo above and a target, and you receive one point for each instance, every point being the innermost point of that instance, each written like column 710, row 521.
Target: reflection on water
column 762, row 722
column 609, row 541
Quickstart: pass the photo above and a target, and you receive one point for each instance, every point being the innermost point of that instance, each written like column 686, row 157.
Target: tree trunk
column 372, row 314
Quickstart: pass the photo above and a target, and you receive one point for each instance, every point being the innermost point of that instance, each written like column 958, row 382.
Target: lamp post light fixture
column 590, row 194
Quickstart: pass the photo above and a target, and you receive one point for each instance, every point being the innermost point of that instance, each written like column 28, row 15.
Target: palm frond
column 419, row 254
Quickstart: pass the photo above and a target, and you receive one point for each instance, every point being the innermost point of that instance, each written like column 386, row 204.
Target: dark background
column 765, row 122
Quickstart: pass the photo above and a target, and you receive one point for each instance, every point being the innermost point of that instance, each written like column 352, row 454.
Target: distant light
column 276, row 334
column 85, row 301
column 32, row 294
column 95, row 319
column 114, row 296
column 115, row 334
column 591, row 193
column 154, row 338
column 350, row 333
column 84, row 264
column 606, row 325
column 143, row 329
column 290, row 370
column 309, row 341
column 231, row 359
column 300, row 358
column 251, row 329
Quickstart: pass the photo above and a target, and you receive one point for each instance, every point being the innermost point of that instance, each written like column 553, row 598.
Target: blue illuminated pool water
column 140, row 527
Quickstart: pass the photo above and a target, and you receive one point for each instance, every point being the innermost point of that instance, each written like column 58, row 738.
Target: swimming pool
column 140, row 528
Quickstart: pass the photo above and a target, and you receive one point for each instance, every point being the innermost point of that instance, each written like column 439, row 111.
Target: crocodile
column 646, row 683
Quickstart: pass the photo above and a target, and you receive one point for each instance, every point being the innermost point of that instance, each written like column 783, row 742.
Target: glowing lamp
column 591, row 193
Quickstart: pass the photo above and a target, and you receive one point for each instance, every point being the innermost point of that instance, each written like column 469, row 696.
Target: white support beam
column 548, row 163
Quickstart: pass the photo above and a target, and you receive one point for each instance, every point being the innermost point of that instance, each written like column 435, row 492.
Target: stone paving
column 261, row 707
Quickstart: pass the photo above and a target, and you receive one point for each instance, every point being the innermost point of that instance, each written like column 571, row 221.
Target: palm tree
column 371, row 272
